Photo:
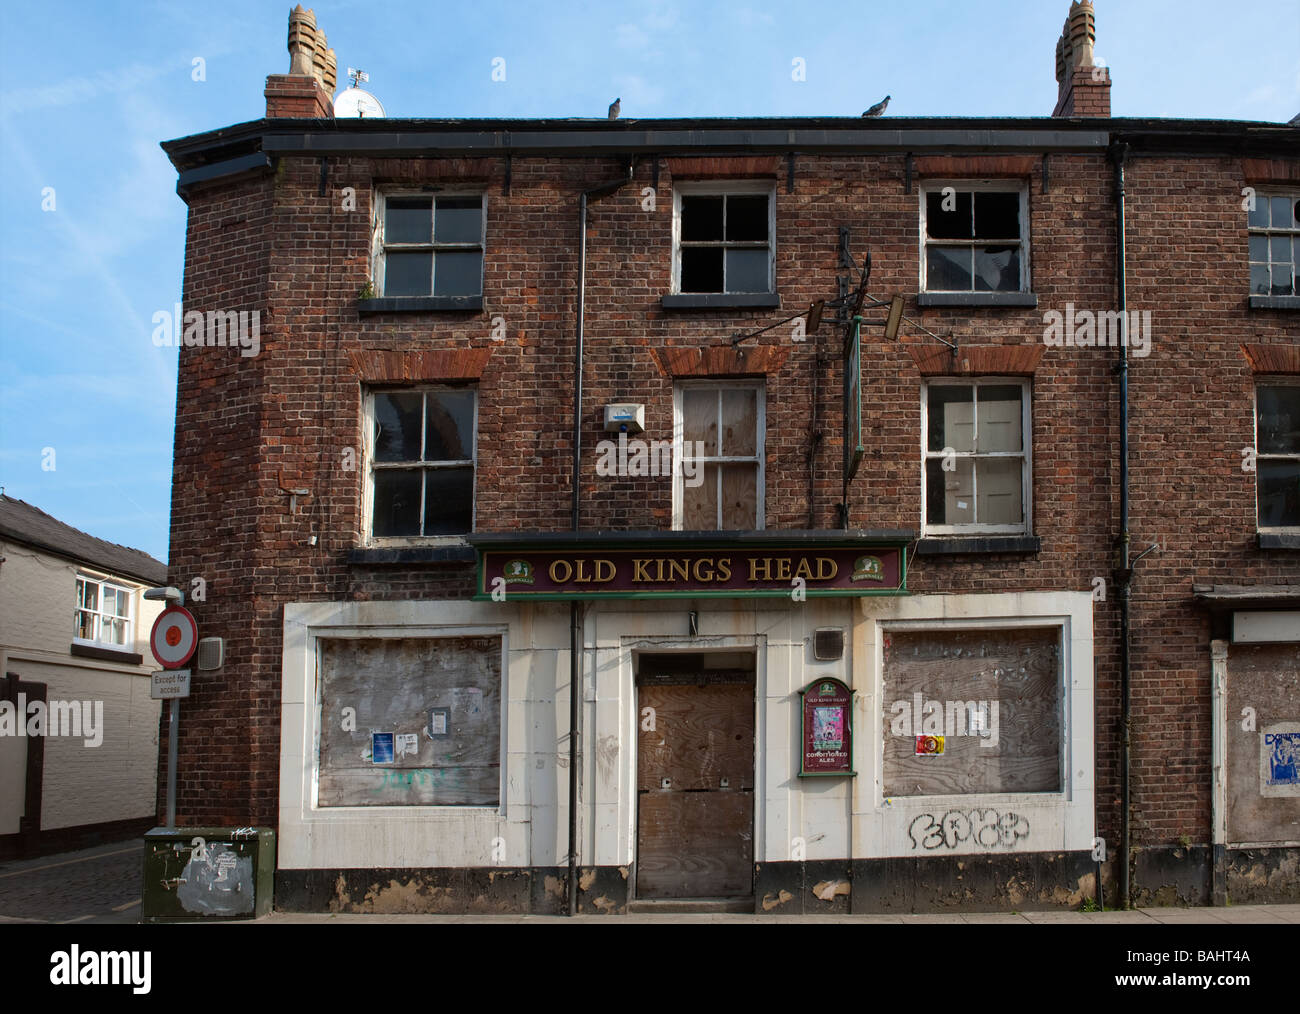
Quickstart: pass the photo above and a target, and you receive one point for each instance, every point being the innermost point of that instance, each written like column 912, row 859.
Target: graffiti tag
column 986, row 828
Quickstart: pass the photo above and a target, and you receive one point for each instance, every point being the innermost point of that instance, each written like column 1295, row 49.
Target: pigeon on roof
column 614, row 108
column 878, row 108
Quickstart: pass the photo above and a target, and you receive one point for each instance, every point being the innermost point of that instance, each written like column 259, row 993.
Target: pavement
column 102, row 885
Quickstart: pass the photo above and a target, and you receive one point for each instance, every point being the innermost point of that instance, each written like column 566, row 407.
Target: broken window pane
column 448, row 501
column 450, row 433
column 948, row 218
column 458, row 273
column 747, row 218
column 701, row 269
column 1259, row 280
column 407, row 274
column 997, row 215
column 408, row 220
column 397, row 502
column 1281, row 279
column 997, row 269
column 458, row 220
column 948, row 268
column 397, row 426
column 747, row 271
column 702, row 218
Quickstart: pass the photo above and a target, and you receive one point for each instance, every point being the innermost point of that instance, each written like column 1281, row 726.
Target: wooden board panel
column 695, row 844
column 391, row 685
column 1262, row 677
column 701, row 735
column 1018, row 671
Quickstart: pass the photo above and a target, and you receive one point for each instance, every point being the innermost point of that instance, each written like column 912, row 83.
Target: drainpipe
column 1118, row 152
column 575, row 613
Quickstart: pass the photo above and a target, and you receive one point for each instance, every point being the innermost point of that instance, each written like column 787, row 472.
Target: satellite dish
column 356, row 101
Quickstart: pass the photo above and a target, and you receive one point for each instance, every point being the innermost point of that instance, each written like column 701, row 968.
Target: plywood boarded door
column 695, row 786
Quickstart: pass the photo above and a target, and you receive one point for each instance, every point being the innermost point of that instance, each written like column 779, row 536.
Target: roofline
column 589, row 137
column 8, row 535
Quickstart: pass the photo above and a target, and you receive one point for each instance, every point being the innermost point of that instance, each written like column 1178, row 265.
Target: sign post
column 173, row 639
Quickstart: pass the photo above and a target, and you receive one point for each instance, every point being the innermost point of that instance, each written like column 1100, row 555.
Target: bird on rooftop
column 878, row 108
column 614, row 108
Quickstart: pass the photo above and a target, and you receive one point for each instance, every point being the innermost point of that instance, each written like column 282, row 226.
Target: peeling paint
column 604, row 904
column 770, row 903
column 586, row 880
column 829, row 890
column 623, row 870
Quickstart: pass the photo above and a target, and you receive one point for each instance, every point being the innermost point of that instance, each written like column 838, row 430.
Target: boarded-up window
column 410, row 722
column 972, row 711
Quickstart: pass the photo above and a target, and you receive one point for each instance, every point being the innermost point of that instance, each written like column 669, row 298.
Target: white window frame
column 379, row 249
column 760, row 447
column 1026, row 452
column 1253, row 230
column 1266, row 381
column 724, row 188
column 368, row 443
column 997, row 186
column 104, row 582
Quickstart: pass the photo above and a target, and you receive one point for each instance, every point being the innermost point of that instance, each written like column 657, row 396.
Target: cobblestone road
column 98, row 885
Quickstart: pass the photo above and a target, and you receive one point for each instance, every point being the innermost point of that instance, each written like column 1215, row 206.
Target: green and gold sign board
column 681, row 568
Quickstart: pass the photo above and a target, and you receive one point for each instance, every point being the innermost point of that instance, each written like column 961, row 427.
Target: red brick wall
column 245, row 427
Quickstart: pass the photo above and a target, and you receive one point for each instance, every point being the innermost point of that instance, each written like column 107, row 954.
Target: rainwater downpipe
column 1119, row 152
column 575, row 612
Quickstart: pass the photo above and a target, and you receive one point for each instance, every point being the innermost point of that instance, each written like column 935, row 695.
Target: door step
column 677, row 906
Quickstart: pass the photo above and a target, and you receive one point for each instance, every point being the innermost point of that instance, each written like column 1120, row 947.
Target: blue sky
column 86, row 97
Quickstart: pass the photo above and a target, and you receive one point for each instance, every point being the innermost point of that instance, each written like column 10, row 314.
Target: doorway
column 695, row 775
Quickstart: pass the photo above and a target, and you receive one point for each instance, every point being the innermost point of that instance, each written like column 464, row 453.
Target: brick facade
column 250, row 429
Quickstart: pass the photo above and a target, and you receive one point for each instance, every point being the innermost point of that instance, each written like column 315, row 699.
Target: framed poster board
column 827, row 741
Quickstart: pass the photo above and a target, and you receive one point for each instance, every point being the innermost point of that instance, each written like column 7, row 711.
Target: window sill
column 1279, row 540
column 1275, row 302
column 412, row 554
column 719, row 300
column 946, row 546
column 1028, row 299
column 418, row 304
column 106, row 654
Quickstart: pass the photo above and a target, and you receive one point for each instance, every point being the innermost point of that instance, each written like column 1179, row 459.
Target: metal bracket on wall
column 846, row 255
column 654, row 172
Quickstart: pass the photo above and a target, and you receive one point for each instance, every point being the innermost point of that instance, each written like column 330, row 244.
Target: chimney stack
column 1083, row 88
column 304, row 93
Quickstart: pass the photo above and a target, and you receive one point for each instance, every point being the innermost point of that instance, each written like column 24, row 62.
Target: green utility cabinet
column 195, row 874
